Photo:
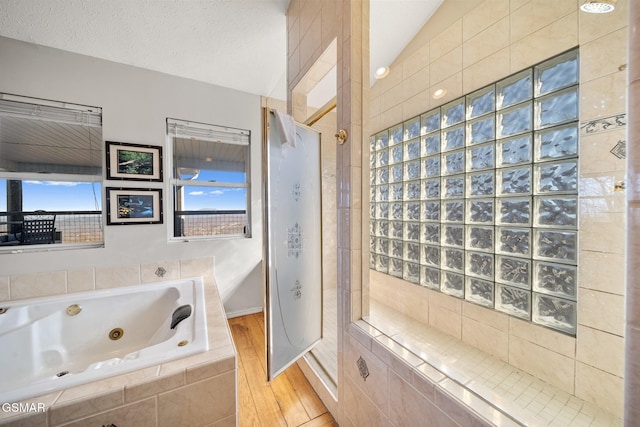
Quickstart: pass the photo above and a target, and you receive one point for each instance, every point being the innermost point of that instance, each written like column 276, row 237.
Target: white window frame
column 220, row 134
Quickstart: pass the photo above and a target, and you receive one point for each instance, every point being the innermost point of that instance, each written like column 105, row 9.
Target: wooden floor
column 289, row 400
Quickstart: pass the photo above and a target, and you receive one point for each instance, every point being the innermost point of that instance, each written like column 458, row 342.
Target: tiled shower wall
column 483, row 42
column 492, row 41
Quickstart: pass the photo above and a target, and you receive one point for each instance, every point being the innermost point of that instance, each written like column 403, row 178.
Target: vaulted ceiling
column 240, row 44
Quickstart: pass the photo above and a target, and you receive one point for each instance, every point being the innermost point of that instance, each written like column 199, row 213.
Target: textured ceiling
column 240, row 44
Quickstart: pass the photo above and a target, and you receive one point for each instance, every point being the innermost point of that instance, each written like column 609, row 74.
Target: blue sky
column 54, row 195
column 220, row 198
column 76, row 196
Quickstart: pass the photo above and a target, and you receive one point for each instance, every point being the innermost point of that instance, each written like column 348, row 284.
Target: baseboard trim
column 246, row 311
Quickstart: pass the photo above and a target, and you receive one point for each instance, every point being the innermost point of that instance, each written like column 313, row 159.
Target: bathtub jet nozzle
column 179, row 314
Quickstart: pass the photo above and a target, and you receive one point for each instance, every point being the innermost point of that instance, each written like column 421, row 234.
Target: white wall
column 135, row 104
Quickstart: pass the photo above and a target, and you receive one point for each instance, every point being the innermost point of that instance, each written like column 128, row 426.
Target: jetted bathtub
column 48, row 344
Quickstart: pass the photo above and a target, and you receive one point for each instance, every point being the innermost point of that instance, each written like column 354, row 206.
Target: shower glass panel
column 293, row 245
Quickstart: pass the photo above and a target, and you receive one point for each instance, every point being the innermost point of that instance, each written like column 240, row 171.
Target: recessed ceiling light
column 382, row 72
column 598, row 6
column 439, row 93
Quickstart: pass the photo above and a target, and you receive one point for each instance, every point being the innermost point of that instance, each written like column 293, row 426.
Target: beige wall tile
column 375, row 123
column 23, row 420
column 37, row 285
column 595, row 155
column 604, row 55
column 598, row 185
column 425, row 377
column 601, row 350
column 150, row 273
column 600, row 388
column 517, row 4
column 487, row 70
column 293, row 67
column 311, row 42
column 602, row 311
column 293, row 35
column 447, row 65
column 103, row 388
column 551, row 40
column 391, row 116
column 536, row 15
column 416, row 62
column 113, row 277
column 142, row 414
column 398, row 359
column 70, row 411
column 80, row 280
column 457, row 407
column 329, row 21
column 4, row 288
column 483, row 16
column 358, row 407
column 203, row 371
column 416, row 83
column 200, row 403
column 446, row 41
column 453, row 87
column 543, row 337
column 486, row 43
column 602, row 231
column 391, row 98
column 445, row 320
column 410, row 408
column 376, row 384
column 603, row 97
column 227, row 422
column 405, row 297
column 486, row 316
column 602, row 271
column 543, row 363
column 393, row 79
column 308, row 12
column 445, row 301
column 416, row 105
column 197, row 267
column 486, row 338
column 375, row 107
column 593, row 26
column 155, row 385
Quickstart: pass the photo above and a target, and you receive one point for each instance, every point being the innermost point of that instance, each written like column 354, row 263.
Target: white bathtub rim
column 199, row 344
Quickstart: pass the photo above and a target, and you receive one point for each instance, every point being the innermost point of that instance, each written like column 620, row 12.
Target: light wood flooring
column 289, row 400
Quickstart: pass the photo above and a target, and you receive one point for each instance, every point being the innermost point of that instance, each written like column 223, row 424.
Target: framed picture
column 134, row 161
column 134, row 206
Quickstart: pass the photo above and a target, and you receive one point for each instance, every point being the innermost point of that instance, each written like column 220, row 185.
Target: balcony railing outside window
column 70, row 226
column 210, row 223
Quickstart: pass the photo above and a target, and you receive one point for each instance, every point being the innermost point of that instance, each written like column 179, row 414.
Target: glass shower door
column 293, row 246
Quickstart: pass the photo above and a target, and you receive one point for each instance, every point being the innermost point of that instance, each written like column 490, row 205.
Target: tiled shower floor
column 527, row 399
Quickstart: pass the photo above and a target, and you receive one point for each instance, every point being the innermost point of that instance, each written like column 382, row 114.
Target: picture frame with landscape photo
column 134, row 161
column 134, row 206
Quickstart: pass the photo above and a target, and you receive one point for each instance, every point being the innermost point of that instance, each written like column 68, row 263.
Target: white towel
column 286, row 128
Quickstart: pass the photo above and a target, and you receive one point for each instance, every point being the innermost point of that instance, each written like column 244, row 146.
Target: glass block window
column 478, row 198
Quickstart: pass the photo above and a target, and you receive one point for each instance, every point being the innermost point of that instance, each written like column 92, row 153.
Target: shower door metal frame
column 268, row 269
